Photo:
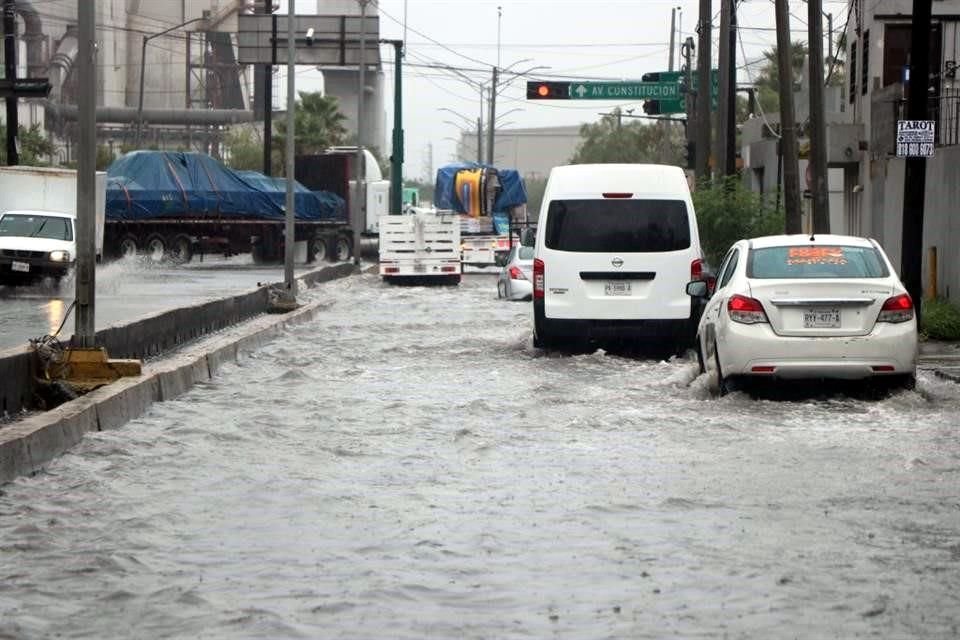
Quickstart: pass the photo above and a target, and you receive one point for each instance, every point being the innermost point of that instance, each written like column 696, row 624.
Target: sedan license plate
column 821, row 319
column 22, row 267
column 617, row 288
column 419, row 268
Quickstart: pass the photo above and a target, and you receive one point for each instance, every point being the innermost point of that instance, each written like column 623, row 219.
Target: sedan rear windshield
column 22, row 225
column 816, row 262
column 617, row 226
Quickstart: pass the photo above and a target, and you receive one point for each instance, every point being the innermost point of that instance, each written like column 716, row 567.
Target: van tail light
column 538, row 279
column 745, row 310
column 696, row 269
column 897, row 309
column 515, row 273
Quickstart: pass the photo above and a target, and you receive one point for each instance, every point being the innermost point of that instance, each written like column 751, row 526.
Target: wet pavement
column 128, row 290
column 408, row 466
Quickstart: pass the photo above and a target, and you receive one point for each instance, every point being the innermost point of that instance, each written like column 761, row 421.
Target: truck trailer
column 171, row 205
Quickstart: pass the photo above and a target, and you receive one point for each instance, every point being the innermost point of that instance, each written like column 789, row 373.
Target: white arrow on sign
column 580, row 90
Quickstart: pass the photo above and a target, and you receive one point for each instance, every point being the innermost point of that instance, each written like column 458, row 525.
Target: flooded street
column 128, row 290
column 408, row 466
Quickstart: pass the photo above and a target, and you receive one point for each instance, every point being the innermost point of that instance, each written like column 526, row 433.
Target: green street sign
column 624, row 90
column 668, row 107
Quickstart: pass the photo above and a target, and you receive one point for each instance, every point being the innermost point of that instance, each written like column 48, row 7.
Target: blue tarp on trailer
column 513, row 192
column 148, row 185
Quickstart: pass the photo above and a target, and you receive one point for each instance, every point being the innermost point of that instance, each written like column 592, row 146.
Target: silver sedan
column 515, row 281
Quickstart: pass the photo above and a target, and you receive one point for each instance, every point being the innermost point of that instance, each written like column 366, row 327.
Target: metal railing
column 943, row 109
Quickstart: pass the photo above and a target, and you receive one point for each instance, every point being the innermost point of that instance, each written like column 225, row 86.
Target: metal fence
column 888, row 106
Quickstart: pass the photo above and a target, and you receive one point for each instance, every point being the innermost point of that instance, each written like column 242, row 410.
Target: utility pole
column 724, row 142
column 479, row 141
column 703, row 91
column 788, row 127
column 268, row 98
column 818, row 126
column 10, row 74
column 396, row 156
column 359, row 178
column 673, row 34
column 289, row 233
column 86, row 69
column 915, row 176
column 686, row 49
column 493, row 116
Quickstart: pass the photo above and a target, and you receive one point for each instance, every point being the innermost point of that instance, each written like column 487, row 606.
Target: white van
column 616, row 245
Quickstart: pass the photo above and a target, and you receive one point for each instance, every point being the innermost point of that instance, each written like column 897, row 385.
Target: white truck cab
column 34, row 244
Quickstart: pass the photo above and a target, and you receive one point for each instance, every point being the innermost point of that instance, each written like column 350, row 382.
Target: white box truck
column 38, row 210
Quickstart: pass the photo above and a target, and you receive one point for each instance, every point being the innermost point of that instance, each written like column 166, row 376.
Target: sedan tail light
column 745, row 310
column 897, row 309
column 538, row 279
column 516, row 273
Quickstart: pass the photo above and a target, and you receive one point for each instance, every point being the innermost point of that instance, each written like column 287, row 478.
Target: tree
column 612, row 141
column 768, row 80
column 318, row 124
column 727, row 211
column 244, row 149
column 33, row 145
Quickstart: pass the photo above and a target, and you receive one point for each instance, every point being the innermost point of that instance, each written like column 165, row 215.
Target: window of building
column 853, row 72
column 865, row 75
column 896, row 54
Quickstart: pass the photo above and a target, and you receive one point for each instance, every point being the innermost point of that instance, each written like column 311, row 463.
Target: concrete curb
column 29, row 444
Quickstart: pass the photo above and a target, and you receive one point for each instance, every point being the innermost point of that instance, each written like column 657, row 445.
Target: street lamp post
column 491, row 128
column 143, row 62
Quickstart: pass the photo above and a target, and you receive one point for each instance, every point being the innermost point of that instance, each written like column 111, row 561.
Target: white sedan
column 793, row 307
column 515, row 281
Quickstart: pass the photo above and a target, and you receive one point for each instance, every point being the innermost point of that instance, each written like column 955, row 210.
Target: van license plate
column 22, row 267
column 821, row 319
column 617, row 289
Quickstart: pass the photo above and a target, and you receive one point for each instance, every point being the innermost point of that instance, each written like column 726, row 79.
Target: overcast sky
column 616, row 39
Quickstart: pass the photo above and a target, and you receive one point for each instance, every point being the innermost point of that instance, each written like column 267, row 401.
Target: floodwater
column 408, row 466
column 126, row 291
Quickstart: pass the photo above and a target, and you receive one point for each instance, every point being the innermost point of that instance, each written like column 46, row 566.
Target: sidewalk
column 943, row 358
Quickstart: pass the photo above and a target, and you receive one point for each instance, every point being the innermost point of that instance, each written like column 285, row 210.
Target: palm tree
column 318, row 124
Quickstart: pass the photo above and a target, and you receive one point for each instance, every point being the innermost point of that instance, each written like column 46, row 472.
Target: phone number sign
column 915, row 138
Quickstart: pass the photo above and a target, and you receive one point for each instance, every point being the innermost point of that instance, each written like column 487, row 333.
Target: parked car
column 615, row 247
column 515, row 281
column 798, row 306
column 34, row 244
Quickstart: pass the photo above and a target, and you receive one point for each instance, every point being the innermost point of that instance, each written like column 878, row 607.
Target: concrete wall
column 941, row 227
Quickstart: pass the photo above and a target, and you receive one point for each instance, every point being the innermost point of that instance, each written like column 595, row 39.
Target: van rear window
column 617, row 226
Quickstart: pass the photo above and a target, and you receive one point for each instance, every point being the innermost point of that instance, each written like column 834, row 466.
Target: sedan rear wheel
column 723, row 384
column 501, row 290
column 700, row 363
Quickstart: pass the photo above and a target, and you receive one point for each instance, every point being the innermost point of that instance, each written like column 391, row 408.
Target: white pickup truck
column 38, row 222
column 420, row 246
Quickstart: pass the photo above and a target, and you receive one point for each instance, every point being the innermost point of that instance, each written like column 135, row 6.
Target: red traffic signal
column 543, row 90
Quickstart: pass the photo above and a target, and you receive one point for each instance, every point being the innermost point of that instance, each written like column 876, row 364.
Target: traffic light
column 691, row 154
column 651, row 107
column 544, row 90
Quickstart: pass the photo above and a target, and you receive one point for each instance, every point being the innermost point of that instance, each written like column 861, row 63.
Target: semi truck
column 335, row 171
column 172, row 205
column 486, row 200
column 38, row 215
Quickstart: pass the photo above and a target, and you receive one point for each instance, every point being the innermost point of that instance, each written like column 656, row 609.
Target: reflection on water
column 55, row 310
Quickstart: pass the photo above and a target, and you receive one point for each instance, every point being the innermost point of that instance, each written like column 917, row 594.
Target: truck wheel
column 155, row 247
column 181, row 249
column 128, row 246
column 342, row 249
column 317, row 249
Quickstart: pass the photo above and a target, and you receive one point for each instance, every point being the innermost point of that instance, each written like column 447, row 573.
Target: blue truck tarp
column 513, row 192
column 150, row 185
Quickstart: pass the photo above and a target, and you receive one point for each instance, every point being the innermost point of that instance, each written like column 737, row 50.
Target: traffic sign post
column 662, row 91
